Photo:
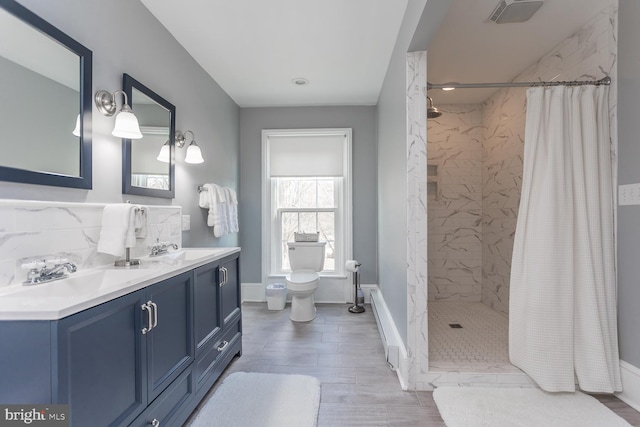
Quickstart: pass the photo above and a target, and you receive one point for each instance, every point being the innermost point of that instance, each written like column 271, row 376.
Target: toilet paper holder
column 358, row 297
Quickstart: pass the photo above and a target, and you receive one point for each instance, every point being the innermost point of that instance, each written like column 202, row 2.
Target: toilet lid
column 304, row 276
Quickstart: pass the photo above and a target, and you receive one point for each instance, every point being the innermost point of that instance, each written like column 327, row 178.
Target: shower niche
column 432, row 182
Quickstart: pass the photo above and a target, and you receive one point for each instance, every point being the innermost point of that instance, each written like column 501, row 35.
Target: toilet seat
column 302, row 277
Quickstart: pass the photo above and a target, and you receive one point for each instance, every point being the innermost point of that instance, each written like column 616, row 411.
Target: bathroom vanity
column 124, row 347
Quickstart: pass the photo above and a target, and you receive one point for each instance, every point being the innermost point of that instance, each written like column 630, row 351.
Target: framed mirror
column 45, row 108
column 143, row 173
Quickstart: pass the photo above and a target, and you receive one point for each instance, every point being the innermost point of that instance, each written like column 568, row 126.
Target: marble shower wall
column 30, row 230
column 454, row 158
column 478, row 153
column 590, row 54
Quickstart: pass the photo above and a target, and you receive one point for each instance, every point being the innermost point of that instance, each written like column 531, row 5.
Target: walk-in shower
column 474, row 159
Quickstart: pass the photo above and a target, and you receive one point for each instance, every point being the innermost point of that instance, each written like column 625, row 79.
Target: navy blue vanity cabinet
column 146, row 358
column 217, row 320
column 101, row 362
column 230, row 290
column 170, row 342
column 207, row 326
column 116, row 358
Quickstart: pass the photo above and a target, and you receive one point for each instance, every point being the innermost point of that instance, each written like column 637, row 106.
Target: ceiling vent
column 508, row 11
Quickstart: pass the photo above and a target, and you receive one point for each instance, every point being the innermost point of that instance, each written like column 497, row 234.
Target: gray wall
column 418, row 26
column 628, row 173
column 362, row 120
column 151, row 55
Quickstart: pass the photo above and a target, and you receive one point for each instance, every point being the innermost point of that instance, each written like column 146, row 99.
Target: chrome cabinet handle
column 226, row 277
column 155, row 423
column 223, row 346
column 155, row 313
column 223, row 274
column 147, row 307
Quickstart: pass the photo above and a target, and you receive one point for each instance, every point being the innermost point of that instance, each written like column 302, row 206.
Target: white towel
column 221, row 224
column 214, row 198
column 232, row 210
column 122, row 224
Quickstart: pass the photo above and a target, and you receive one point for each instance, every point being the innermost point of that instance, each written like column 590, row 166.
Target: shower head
column 432, row 112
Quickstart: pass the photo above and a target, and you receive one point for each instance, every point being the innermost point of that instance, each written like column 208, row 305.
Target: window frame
column 271, row 225
column 338, row 241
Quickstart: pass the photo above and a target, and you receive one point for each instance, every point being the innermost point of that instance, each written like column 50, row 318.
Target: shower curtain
column 562, row 307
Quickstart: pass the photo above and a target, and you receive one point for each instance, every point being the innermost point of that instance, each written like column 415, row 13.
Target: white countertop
column 88, row 288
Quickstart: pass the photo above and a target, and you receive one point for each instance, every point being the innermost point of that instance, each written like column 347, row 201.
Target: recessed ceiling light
column 299, row 81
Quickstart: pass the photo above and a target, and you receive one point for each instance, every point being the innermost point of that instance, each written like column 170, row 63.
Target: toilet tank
column 306, row 255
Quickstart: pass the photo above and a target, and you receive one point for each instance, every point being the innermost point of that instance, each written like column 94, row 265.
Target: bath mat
column 521, row 407
column 264, row 400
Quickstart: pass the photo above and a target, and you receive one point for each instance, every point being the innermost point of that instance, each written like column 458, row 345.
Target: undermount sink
column 186, row 254
column 79, row 284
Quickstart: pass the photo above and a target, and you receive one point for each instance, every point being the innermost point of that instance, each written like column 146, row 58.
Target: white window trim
column 268, row 264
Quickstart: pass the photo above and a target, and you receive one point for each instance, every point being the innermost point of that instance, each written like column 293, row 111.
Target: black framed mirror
column 143, row 173
column 45, row 81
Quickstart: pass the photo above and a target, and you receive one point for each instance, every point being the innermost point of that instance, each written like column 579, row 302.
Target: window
column 307, row 205
column 306, row 189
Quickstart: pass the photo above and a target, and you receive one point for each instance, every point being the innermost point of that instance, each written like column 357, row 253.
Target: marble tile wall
column 32, row 229
column 590, row 54
column 417, row 346
column 454, row 156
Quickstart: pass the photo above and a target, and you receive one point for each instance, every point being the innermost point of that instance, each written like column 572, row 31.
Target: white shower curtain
column 562, row 303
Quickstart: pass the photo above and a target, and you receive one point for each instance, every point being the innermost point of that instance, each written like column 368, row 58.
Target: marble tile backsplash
column 33, row 229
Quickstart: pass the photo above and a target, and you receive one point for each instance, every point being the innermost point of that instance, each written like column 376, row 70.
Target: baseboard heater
column 386, row 328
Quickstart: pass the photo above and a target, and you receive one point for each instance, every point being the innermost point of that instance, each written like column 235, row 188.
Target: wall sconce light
column 194, row 155
column 126, row 125
column 165, row 153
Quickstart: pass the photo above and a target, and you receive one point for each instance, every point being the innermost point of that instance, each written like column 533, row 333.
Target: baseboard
column 366, row 290
column 630, row 385
column 395, row 351
column 254, row 292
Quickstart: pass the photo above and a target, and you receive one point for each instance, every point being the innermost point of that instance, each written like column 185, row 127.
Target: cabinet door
column 208, row 325
column 100, row 363
column 169, row 343
column 230, row 289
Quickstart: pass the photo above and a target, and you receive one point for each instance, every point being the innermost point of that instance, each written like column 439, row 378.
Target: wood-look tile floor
column 344, row 351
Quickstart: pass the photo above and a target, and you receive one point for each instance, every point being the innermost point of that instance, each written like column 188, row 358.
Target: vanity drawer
column 170, row 405
column 205, row 364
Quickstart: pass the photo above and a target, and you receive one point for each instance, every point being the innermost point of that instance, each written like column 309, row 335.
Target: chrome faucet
column 47, row 270
column 160, row 248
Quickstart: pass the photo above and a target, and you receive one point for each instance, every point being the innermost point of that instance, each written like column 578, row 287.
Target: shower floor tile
column 468, row 337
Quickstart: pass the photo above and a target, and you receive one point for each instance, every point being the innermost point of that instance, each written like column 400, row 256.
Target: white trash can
column 276, row 296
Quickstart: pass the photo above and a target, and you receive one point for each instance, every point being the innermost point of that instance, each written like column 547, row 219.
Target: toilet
column 306, row 259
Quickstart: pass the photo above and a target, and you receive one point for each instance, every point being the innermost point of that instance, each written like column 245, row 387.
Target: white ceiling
column 469, row 49
column 254, row 48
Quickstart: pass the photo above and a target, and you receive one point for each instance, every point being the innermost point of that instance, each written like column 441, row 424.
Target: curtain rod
column 604, row 81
